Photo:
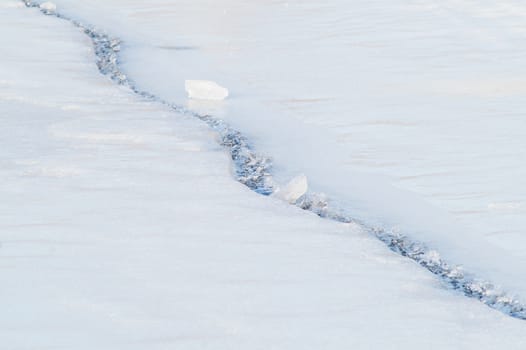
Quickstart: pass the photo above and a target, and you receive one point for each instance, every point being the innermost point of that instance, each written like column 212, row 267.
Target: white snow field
column 122, row 227
column 409, row 114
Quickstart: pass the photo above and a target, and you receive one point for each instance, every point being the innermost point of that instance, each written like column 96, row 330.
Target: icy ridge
column 254, row 171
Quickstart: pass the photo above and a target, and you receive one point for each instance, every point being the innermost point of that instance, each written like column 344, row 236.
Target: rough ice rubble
column 205, row 90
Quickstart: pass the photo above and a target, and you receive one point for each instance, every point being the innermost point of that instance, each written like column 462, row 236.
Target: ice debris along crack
column 254, row 171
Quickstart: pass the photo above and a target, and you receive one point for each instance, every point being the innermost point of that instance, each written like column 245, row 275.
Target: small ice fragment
column 205, row 90
column 292, row 191
column 48, row 7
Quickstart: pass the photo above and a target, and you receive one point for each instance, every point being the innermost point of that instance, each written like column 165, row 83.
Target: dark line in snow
column 254, row 171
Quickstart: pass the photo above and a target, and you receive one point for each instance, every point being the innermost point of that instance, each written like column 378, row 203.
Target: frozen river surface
column 410, row 114
column 122, row 227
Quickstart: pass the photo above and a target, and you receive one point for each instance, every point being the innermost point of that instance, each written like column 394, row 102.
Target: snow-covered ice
column 121, row 225
column 408, row 115
column 205, row 90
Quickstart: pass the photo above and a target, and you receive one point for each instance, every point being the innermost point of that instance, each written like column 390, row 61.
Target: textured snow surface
column 122, row 227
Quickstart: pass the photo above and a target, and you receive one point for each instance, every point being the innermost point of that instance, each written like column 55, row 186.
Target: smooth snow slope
column 410, row 114
column 121, row 227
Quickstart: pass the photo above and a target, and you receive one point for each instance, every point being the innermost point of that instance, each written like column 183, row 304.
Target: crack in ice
column 254, row 171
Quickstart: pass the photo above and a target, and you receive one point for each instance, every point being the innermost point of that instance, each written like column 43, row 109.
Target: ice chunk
column 205, row 90
column 293, row 190
column 48, row 7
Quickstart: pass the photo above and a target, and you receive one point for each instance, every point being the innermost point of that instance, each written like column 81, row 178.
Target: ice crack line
column 254, row 170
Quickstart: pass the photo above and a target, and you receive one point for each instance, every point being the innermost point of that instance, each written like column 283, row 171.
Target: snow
column 121, row 225
column 205, row 90
column 407, row 115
